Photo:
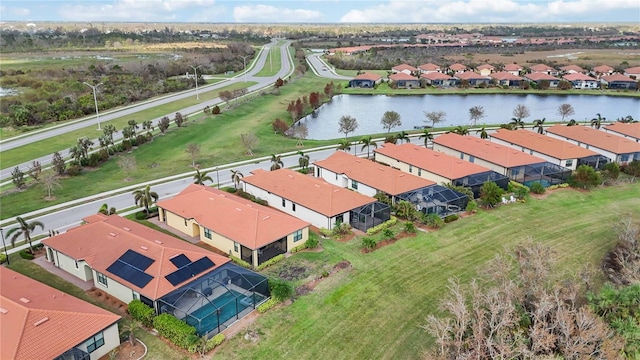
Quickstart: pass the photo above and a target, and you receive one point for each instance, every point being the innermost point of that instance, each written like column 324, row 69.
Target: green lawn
column 272, row 65
column 374, row 310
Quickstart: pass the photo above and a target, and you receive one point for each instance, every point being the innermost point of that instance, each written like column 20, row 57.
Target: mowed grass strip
column 374, row 310
column 272, row 64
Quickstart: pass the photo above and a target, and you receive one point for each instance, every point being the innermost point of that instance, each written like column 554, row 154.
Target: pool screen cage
column 545, row 173
column 216, row 300
column 475, row 181
column 369, row 215
column 436, row 199
column 594, row 161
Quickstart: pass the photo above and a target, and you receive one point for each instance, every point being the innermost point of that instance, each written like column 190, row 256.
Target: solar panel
column 136, row 260
column 130, row 273
column 189, row 271
column 180, row 260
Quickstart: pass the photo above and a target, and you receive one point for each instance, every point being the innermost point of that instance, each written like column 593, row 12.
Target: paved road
column 323, row 69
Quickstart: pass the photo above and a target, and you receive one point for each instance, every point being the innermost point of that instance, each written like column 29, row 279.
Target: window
column 410, row 168
column 77, row 267
column 235, row 246
column 207, row 233
column 354, row 185
column 102, row 279
column 419, row 172
column 472, row 158
column 185, row 222
column 569, row 163
column 95, row 342
column 135, row 295
column 624, row 158
column 284, row 202
column 297, row 236
column 515, row 172
column 462, row 156
column 293, row 206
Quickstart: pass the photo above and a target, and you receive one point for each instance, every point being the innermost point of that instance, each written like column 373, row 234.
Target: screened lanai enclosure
column 594, row 161
column 369, row 215
column 475, row 181
column 544, row 173
column 218, row 299
column 436, row 199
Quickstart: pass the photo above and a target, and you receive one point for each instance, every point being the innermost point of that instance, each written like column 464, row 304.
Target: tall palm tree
column 460, row 130
column 483, row 132
column 76, row 153
column 403, row 136
column 25, row 229
column 367, row 142
column 276, row 162
column 427, row 136
column 303, row 160
column 199, row 178
column 236, row 175
column 145, row 197
column 539, row 124
column 517, row 122
column 596, row 122
column 344, row 145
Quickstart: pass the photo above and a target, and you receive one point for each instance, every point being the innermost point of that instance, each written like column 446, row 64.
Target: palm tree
column 517, row 122
column 276, row 162
column 130, row 325
column 24, row 228
column 596, row 122
column 145, row 197
column 572, row 122
column 539, row 124
column 106, row 210
column 344, row 145
column 76, row 153
column 367, row 142
column 427, row 136
column 483, row 132
column 236, row 175
column 303, row 160
column 199, row 178
column 460, row 130
column 403, row 136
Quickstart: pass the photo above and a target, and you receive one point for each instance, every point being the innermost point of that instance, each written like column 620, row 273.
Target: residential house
column 472, row 78
column 130, row 261
column 505, row 78
column 40, row 322
column 553, row 150
column 233, row 225
column 310, row 199
column 485, row 69
column 540, row 78
column 619, row 81
column 403, row 80
column 542, row 68
column 457, row 68
column 366, row 80
column 581, row 81
column 404, row 68
column 627, row 130
column 429, row 68
column 572, row 69
column 602, row 70
column 514, row 69
column 516, row 165
column 633, row 72
column 616, row 148
column 438, row 167
column 438, row 79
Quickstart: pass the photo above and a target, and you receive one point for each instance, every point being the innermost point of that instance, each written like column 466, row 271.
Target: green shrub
column 141, row 215
column 298, row 248
column 341, row 229
column 240, row 262
column 141, row 312
column 514, row 185
column 274, row 260
column 451, row 218
column 94, row 160
column 74, row 170
column 376, row 229
column 537, row 188
column 229, row 189
column 472, row 207
column 368, row 243
column 409, row 227
column 387, row 233
column 280, row 289
column 433, row 221
column 175, row 330
column 312, row 241
column 325, row 232
column 215, row 341
column 26, row 255
column 522, row 193
column 267, row 305
column 3, row 258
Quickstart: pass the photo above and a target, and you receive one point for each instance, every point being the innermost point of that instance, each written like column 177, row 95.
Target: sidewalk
column 42, row 261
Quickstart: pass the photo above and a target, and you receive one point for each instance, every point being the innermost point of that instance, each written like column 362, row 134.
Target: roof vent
column 126, row 229
column 266, row 217
column 357, row 160
column 25, row 300
column 210, row 198
column 41, row 321
column 144, row 248
column 316, row 185
column 157, row 241
column 238, row 209
column 112, row 234
column 290, row 176
column 336, row 190
column 3, row 310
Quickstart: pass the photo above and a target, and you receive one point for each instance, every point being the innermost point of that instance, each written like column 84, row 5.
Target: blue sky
column 323, row 11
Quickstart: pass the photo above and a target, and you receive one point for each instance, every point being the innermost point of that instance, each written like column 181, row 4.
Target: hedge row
column 270, row 262
column 267, row 305
column 240, row 262
column 387, row 224
column 141, row 312
column 175, row 330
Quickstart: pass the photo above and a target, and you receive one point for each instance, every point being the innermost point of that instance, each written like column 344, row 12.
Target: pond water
column 498, row 108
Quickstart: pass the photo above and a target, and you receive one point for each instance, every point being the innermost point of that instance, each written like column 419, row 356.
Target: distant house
column 485, row 69
column 516, row 165
column 542, row 68
column 472, row 78
column 429, row 68
column 633, row 72
column 619, row 81
column 438, row 167
column 309, row 199
column 438, row 79
column 514, row 69
column 572, row 69
column 581, row 81
column 40, row 322
column 457, row 68
column 233, row 225
column 405, row 81
column 404, row 68
column 602, row 70
column 505, row 78
column 131, row 261
column 555, row 151
column 614, row 147
column 366, row 80
column 628, row 130
column 538, row 78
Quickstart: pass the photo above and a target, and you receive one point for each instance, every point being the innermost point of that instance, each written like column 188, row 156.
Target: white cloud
column 16, row 11
column 133, row 10
column 267, row 13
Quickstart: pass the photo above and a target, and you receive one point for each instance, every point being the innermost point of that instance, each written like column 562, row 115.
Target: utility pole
column 95, row 99
column 195, row 72
column 244, row 65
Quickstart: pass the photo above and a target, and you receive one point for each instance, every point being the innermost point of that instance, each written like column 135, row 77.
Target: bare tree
column 300, row 132
column 565, row 110
column 127, row 164
column 476, row 113
column 249, row 142
column 390, row 119
column 49, row 181
column 348, row 124
column 521, row 112
column 435, row 117
column 194, row 152
column 35, row 170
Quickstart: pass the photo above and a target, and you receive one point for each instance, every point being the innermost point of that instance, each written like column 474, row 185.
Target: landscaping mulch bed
column 113, row 303
column 305, row 289
column 345, row 238
column 383, row 243
column 126, row 351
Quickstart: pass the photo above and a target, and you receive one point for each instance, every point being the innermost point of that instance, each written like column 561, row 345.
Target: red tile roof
column 432, row 161
column 603, row 69
column 504, row 75
column 402, row 76
column 617, row 77
column 436, row 76
column 541, row 68
column 468, row 75
column 368, row 76
column 540, row 76
column 40, row 322
column 578, row 77
column 483, row 149
column 402, row 67
column 429, row 67
column 512, row 67
column 457, row 67
column 310, row 192
column 100, row 243
column 572, row 67
column 485, row 66
column 596, row 138
column 629, row 129
column 384, row 178
column 632, row 70
column 556, row 148
column 233, row 217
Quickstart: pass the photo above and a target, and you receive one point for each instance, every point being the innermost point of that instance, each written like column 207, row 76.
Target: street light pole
column 196, row 75
column 5, row 246
column 270, row 64
column 218, row 177
column 95, row 100
column 244, row 65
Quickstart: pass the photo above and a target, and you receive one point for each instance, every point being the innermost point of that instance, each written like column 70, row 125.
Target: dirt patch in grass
column 345, row 238
column 293, row 272
column 126, row 351
column 308, row 287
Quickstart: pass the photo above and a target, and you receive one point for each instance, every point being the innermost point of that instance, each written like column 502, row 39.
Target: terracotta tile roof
column 600, row 139
column 617, row 77
column 540, row 76
column 310, row 192
column 603, row 69
column 457, row 67
column 632, row 70
column 429, row 67
column 504, row 75
column 483, row 149
column 556, row 148
column 404, row 67
column 368, row 76
column 402, row 76
column 384, row 178
column 432, row 161
column 485, row 66
column 541, row 68
column 40, row 322
column 572, row 67
column 578, row 77
column 512, row 67
column 233, row 217
column 101, row 243
column 629, row 129
column 468, row 75
column 436, row 76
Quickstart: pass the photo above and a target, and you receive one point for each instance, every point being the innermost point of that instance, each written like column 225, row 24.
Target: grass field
column 272, row 65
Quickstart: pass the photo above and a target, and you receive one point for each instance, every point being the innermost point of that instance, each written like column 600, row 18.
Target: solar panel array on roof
column 190, row 270
column 180, row 260
column 131, row 266
column 136, row 260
